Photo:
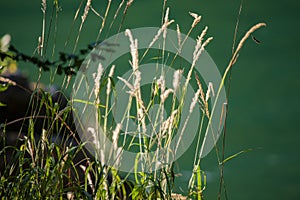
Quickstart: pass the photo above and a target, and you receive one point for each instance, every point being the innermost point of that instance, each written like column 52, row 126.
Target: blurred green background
column 265, row 87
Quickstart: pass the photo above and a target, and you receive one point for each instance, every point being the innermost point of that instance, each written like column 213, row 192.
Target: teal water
column 265, row 87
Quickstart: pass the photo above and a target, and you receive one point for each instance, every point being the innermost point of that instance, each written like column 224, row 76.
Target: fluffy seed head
column 177, row 78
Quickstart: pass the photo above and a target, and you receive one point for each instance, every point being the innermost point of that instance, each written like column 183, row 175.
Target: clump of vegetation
column 41, row 152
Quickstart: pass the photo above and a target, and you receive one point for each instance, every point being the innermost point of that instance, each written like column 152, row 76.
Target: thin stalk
column 104, row 20
column 231, row 63
column 226, row 110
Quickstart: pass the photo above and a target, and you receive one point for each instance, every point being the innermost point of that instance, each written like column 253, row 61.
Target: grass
column 49, row 161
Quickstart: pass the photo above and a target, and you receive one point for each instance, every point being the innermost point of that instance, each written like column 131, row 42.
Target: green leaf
column 235, row 155
column 3, row 87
